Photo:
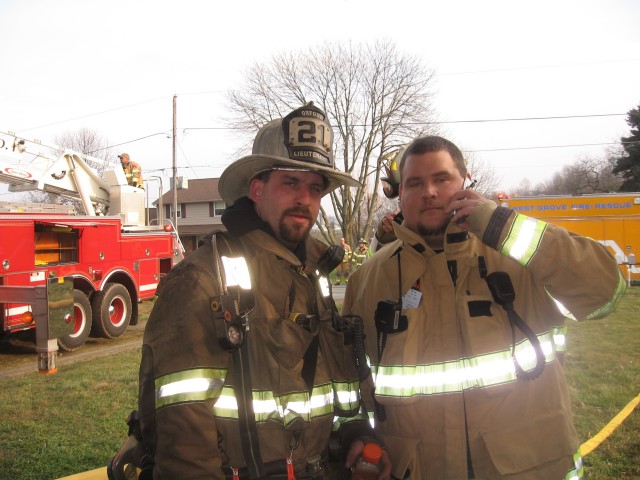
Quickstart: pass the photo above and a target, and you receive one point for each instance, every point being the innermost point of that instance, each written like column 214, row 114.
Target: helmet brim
column 234, row 181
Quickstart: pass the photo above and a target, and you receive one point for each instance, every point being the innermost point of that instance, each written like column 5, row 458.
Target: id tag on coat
column 411, row 299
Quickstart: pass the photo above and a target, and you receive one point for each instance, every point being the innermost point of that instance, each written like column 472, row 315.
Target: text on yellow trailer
column 613, row 219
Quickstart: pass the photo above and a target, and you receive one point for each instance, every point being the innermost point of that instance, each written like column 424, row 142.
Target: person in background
column 361, row 252
column 132, row 171
column 344, row 269
column 264, row 400
column 459, row 313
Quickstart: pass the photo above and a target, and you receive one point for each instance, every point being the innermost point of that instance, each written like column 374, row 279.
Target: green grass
column 603, row 370
column 57, row 425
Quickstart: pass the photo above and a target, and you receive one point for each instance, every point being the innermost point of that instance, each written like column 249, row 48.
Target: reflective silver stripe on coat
column 458, row 375
column 613, row 303
column 189, row 386
column 578, row 472
column 560, row 338
column 523, row 239
column 287, row 408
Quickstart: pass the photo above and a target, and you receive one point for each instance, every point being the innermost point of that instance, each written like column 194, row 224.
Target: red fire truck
column 114, row 259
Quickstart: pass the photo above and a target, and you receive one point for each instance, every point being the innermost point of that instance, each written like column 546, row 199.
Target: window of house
column 182, row 210
column 216, row 208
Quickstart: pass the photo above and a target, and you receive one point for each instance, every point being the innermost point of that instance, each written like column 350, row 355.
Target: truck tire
column 82, row 319
column 111, row 311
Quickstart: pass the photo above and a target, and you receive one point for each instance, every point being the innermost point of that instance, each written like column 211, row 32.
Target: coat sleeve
column 577, row 271
column 181, row 375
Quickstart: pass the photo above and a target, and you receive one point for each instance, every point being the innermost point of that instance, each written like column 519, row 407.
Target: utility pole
column 175, row 168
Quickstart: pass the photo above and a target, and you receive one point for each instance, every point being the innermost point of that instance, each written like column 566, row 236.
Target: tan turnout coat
column 447, row 383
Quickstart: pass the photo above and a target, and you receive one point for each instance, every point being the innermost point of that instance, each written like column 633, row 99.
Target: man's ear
column 255, row 189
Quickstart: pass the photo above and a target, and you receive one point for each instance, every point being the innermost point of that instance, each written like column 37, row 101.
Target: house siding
column 194, row 205
column 198, row 214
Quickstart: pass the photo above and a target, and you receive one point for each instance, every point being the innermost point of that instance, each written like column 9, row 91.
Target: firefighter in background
column 361, row 252
column 344, row 269
column 459, row 317
column 264, row 401
column 132, row 171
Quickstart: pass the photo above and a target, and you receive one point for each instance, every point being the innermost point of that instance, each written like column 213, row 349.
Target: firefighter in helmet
column 132, row 171
column 261, row 402
column 361, row 252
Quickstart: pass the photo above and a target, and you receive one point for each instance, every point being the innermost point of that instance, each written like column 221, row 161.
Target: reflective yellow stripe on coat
column 189, row 386
column 287, row 408
column 458, row 375
column 208, row 383
column 523, row 239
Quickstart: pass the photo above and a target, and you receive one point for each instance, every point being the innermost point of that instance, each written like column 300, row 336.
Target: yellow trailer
column 613, row 219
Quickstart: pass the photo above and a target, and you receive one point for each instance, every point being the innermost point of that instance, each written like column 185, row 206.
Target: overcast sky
column 114, row 66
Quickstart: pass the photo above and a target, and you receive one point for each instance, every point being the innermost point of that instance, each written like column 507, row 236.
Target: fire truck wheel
column 111, row 311
column 82, row 319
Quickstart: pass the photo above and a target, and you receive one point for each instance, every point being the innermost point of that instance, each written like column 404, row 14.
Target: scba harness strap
column 235, row 301
column 232, row 320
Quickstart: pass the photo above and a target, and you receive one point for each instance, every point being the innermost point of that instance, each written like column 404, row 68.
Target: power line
column 537, row 147
column 540, row 67
column 481, row 120
column 551, row 146
column 478, row 120
column 130, row 141
column 559, row 117
column 186, row 159
column 92, row 114
column 115, row 109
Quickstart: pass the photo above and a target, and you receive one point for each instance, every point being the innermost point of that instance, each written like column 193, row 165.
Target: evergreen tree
column 628, row 165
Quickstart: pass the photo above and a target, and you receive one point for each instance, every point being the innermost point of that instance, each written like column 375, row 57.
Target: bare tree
column 488, row 181
column 90, row 143
column 524, row 189
column 586, row 175
column 376, row 99
column 371, row 213
column 97, row 155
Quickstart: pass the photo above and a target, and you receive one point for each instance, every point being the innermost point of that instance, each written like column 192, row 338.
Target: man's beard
column 425, row 231
column 296, row 233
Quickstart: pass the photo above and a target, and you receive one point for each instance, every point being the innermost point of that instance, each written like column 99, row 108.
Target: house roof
column 199, row 190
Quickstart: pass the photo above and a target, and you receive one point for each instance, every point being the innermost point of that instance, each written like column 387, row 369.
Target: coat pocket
column 531, row 443
column 339, row 357
column 486, row 326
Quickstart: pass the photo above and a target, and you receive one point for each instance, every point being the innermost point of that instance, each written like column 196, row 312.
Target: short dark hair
column 433, row 143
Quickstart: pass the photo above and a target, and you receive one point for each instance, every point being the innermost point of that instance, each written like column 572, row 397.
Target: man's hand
column 385, row 462
column 463, row 203
column 386, row 224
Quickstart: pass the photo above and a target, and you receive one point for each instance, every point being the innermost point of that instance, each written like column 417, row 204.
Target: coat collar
column 455, row 239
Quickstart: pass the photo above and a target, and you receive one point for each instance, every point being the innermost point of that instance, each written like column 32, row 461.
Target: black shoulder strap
column 246, row 415
column 241, row 373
